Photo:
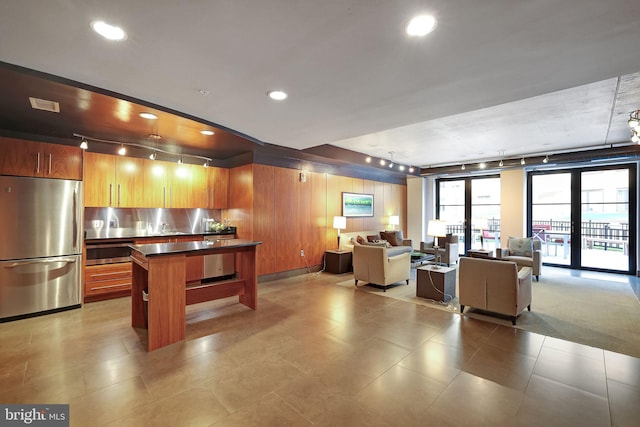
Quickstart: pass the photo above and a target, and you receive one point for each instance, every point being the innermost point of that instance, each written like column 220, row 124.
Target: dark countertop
column 99, row 235
column 160, row 249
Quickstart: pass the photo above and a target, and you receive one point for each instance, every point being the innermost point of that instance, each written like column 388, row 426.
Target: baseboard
column 289, row 273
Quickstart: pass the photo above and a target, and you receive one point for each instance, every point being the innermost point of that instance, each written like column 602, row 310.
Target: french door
column 585, row 218
column 471, row 208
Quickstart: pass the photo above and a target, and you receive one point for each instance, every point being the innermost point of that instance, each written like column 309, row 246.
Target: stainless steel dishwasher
column 219, row 265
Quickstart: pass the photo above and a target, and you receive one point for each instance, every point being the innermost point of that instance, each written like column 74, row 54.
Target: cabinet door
column 20, row 157
column 155, row 184
column 179, row 184
column 199, row 187
column 61, row 161
column 99, row 178
column 218, row 188
column 129, row 182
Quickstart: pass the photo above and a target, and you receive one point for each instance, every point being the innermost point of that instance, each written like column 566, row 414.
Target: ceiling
column 497, row 78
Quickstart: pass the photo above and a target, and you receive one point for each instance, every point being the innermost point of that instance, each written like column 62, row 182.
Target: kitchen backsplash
column 151, row 220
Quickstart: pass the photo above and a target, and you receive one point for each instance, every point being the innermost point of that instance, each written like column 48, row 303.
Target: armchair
column 526, row 252
column 494, row 285
column 373, row 265
column 448, row 251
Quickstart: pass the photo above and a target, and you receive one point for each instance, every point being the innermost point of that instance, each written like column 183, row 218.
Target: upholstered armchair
column 447, row 249
column 526, row 252
column 373, row 265
column 494, row 285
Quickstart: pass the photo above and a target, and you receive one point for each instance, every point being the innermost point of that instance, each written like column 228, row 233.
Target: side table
column 337, row 262
column 434, row 283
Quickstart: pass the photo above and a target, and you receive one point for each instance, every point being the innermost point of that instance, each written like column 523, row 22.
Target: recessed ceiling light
column 421, row 25
column 207, row 132
column 278, row 95
column 109, row 32
column 149, row 116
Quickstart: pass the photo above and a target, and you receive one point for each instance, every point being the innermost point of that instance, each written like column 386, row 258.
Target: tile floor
column 313, row 354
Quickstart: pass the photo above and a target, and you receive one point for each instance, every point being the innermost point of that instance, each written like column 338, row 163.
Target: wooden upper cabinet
column 38, row 159
column 155, row 184
column 99, row 177
column 113, row 181
column 199, row 187
column 179, row 185
column 129, row 182
column 218, row 188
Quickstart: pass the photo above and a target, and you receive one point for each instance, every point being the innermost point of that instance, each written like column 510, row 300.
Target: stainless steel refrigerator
column 40, row 245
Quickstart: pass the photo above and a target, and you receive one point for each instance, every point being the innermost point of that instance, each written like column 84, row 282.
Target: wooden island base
column 161, row 270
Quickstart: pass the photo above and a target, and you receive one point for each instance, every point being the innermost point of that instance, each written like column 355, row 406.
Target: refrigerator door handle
column 40, row 261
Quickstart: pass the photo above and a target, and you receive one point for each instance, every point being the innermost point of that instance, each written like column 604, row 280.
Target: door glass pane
column 485, row 213
column 551, row 216
column 605, row 219
column 452, row 208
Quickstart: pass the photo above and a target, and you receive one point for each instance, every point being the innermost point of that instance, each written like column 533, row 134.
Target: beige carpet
column 595, row 309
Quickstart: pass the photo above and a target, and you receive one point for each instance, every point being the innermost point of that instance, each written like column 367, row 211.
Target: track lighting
column 411, row 169
column 482, row 165
column 501, row 164
column 522, row 162
column 122, row 150
column 546, row 159
column 206, row 164
column 463, row 167
column 382, row 162
column 180, row 160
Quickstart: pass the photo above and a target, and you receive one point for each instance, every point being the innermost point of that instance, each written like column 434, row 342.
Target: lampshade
column 394, row 220
column 339, row 222
column 437, row 228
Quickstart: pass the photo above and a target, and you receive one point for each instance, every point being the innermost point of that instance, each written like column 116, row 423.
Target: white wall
column 416, row 210
column 513, row 198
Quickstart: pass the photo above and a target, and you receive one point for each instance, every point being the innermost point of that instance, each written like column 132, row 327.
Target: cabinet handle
column 110, row 193
column 164, row 197
column 118, row 195
column 49, row 173
column 38, row 164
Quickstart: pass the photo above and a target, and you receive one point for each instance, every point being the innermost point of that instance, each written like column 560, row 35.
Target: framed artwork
column 355, row 204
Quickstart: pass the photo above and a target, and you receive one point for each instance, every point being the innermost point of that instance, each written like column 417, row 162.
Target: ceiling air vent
column 43, row 104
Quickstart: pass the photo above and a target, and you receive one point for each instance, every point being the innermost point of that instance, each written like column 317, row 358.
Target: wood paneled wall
column 272, row 205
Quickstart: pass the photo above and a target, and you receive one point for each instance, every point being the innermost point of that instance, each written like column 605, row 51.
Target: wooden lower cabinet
column 107, row 281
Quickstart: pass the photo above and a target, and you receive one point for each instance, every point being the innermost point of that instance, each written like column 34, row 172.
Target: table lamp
column 339, row 222
column 436, row 228
column 393, row 221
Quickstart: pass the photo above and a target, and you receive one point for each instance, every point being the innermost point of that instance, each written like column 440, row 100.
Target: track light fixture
column 463, row 167
column 501, row 164
column 84, row 145
column 546, row 159
column 522, row 162
column 122, row 150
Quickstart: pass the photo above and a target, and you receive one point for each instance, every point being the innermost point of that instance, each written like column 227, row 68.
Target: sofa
column 526, row 252
column 377, row 238
column 376, row 266
column 494, row 285
column 448, row 250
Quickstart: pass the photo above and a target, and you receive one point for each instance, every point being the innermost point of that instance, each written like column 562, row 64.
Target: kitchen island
column 160, row 270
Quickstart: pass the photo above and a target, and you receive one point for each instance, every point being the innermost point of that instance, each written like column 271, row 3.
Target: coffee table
column 420, row 257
